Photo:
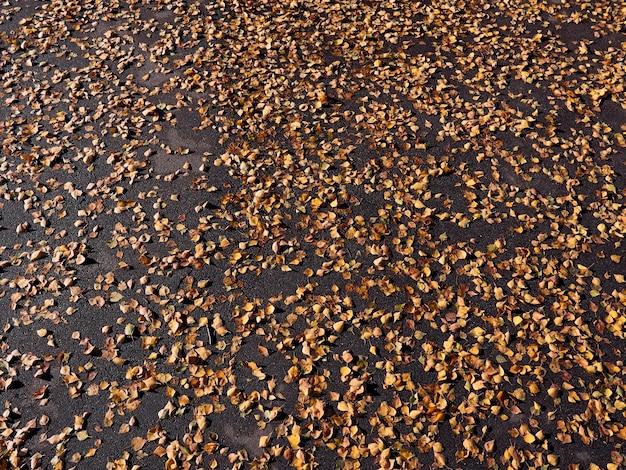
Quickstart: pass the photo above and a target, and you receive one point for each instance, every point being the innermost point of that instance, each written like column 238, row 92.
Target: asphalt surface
column 317, row 234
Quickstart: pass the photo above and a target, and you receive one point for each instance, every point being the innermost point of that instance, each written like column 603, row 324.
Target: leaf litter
column 312, row 234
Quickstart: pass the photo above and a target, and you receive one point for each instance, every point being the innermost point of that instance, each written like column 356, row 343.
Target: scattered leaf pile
column 332, row 234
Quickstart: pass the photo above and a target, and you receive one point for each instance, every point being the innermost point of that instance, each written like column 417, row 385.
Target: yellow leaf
column 170, row 464
column 621, row 433
column 498, row 293
column 137, row 443
column 292, row 374
column 477, row 332
column 470, row 445
column 294, row 440
column 211, row 447
column 533, row 387
column 91, row 452
column 440, row 460
column 316, row 203
column 478, row 385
